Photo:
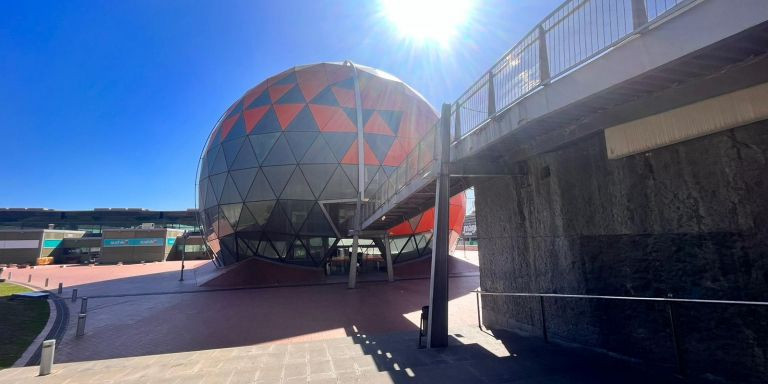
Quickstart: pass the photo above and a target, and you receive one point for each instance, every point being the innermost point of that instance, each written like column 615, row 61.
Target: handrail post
column 639, row 14
column 479, row 321
column 457, row 122
column 543, row 320
column 491, row 95
column 543, row 56
column 675, row 339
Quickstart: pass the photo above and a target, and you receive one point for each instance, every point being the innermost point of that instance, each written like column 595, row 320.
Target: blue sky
column 108, row 103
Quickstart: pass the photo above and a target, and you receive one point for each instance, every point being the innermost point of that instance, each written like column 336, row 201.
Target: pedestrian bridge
column 589, row 66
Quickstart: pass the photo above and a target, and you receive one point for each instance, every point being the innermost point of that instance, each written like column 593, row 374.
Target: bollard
column 81, row 324
column 46, row 357
column 29, row 279
column 61, row 288
column 84, row 304
column 46, row 281
column 9, row 275
column 74, row 295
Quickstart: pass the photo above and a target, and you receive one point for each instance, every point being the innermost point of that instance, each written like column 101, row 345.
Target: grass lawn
column 20, row 323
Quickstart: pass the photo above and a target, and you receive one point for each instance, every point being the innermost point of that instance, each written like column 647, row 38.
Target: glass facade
column 279, row 175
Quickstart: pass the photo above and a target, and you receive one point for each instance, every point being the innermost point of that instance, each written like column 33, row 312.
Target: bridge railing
column 573, row 34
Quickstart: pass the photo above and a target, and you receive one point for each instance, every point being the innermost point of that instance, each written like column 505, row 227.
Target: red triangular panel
column 395, row 156
column 277, row 91
column 227, row 125
column 253, row 116
column 279, row 77
column 287, row 112
column 377, row 125
column 345, row 97
column 427, row 221
column 331, row 119
column 311, row 81
column 351, row 156
column 401, row 229
column 253, row 94
column 337, row 73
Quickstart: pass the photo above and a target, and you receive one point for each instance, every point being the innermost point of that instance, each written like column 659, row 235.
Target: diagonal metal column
column 360, row 179
column 437, row 330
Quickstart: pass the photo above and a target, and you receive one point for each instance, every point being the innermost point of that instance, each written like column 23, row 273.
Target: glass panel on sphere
column 261, row 144
column 260, row 210
column 243, row 179
column 280, row 154
column 339, row 187
column 317, row 176
column 351, row 171
column 230, row 194
column 231, row 148
column 278, row 176
column 245, row 158
column 396, row 244
column 266, row 249
column 217, row 182
column 297, row 188
column 300, row 142
column 316, row 223
column 231, row 212
column 260, row 189
column 296, row 211
column 281, row 243
column 319, row 153
column 219, row 163
column 278, row 222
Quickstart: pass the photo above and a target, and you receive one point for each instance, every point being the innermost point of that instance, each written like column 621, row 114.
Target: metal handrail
column 668, row 300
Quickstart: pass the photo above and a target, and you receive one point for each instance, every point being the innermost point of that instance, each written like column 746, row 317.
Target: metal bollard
column 46, row 281
column 84, row 304
column 29, row 279
column 9, row 275
column 74, row 295
column 46, row 357
column 61, row 288
column 81, row 324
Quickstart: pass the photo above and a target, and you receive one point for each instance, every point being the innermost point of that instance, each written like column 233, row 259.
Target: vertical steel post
column 543, row 320
column 353, row 263
column 388, row 256
column 61, row 288
column 74, row 295
column 46, row 357
column 543, row 56
column 639, row 14
column 184, row 253
column 29, row 278
column 80, row 324
column 479, row 321
column 491, row 95
column 46, row 281
column 437, row 334
column 84, row 305
column 10, row 274
column 457, row 122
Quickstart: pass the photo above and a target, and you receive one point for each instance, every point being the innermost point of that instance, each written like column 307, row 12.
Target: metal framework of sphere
column 280, row 176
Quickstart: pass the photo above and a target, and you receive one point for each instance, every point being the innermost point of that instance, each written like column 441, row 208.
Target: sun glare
column 427, row 20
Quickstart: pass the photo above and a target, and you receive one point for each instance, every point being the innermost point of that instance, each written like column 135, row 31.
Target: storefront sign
column 149, row 242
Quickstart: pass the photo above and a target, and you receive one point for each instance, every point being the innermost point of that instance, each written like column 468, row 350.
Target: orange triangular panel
column 253, row 94
column 337, row 73
column 345, row 97
column 287, row 112
column 427, row 221
column 351, row 156
column 401, row 229
column 227, row 125
column 311, row 81
column 277, row 91
column 331, row 119
column 253, row 116
column 395, row 156
column 370, row 157
column 377, row 125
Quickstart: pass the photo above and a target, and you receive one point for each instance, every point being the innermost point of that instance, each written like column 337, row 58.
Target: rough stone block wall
column 688, row 220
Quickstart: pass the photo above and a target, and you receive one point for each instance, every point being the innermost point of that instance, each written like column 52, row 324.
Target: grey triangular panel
column 260, row 210
column 278, row 176
column 300, row 142
column 316, row 223
column 339, row 142
column 380, row 144
column 247, row 222
column 339, row 187
column 260, row 189
column 269, row 123
column 296, row 211
column 317, row 175
column 217, row 182
column 261, row 144
column 231, row 148
column 280, row 154
column 243, row 179
column 219, row 164
column 319, row 153
column 232, row 213
column 278, row 223
column 230, row 194
column 210, row 197
column 304, row 121
column 245, row 158
column 297, row 188
column 351, row 170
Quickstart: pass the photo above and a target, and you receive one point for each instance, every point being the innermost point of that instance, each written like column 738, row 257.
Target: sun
column 427, row 20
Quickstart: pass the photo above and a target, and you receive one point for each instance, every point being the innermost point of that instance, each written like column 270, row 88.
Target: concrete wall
column 690, row 220
column 136, row 254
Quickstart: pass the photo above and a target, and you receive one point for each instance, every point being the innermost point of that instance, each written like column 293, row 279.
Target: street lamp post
column 183, row 253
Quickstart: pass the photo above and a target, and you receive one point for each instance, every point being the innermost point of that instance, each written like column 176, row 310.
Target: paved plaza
column 144, row 325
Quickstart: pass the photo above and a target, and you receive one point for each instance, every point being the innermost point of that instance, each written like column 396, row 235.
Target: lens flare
column 428, row 20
